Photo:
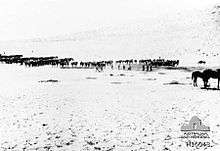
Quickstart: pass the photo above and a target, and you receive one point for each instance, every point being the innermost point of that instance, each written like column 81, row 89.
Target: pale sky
column 23, row 19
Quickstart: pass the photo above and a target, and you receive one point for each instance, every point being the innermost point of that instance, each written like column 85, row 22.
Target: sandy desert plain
column 89, row 110
column 114, row 110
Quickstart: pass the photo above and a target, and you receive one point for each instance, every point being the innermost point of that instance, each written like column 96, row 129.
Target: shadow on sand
column 210, row 88
column 175, row 83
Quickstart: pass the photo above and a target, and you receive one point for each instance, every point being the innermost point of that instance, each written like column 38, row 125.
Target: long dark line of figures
column 146, row 64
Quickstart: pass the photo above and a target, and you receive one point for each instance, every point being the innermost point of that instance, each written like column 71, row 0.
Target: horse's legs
column 195, row 82
column 206, row 83
column 218, row 82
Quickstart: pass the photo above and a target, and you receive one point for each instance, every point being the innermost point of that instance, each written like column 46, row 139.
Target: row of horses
column 152, row 62
column 55, row 61
column 99, row 65
column 52, row 60
column 34, row 61
column 205, row 76
column 95, row 63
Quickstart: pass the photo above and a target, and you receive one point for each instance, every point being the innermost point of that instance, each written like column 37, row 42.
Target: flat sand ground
column 87, row 110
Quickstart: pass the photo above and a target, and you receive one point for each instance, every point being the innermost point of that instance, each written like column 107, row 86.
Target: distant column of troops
column 147, row 65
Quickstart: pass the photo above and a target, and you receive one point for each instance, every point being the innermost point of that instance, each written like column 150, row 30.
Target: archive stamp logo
column 196, row 134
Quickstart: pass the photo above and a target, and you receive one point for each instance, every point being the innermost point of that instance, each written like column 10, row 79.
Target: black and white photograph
column 109, row 75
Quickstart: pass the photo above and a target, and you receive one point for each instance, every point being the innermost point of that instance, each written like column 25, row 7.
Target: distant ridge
column 191, row 36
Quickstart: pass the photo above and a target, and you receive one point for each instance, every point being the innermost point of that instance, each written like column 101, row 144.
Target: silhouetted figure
column 123, row 67
column 118, row 67
column 151, row 68
column 129, row 68
column 143, row 67
column 147, row 68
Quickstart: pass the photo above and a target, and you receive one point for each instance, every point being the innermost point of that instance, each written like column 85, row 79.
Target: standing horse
column 206, row 75
column 195, row 75
column 209, row 73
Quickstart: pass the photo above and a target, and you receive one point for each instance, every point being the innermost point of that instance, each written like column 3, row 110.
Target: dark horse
column 205, row 76
column 195, row 75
